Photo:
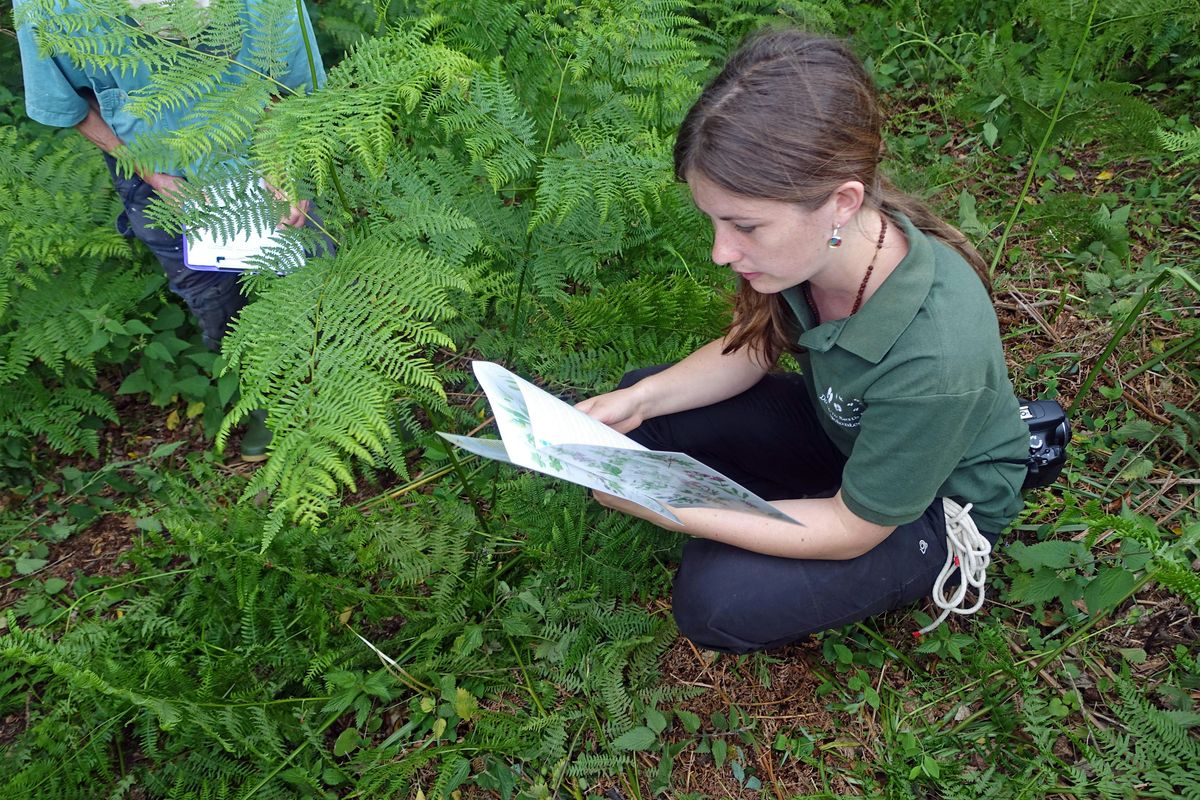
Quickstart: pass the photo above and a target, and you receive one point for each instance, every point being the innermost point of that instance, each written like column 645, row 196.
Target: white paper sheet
column 542, row 433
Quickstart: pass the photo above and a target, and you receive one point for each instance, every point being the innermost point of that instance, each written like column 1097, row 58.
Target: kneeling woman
column 903, row 398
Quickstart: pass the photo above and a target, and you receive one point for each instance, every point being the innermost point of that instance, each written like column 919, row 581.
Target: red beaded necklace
column 862, row 287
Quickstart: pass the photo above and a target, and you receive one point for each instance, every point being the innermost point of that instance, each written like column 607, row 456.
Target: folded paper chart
column 540, row 432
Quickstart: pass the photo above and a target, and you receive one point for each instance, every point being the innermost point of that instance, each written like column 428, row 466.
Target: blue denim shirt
column 55, row 88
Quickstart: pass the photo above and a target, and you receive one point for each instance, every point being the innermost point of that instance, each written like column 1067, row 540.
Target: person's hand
column 620, row 410
column 165, row 186
column 297, row 213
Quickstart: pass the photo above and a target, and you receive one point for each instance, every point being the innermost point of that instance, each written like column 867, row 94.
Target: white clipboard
column 205, row 250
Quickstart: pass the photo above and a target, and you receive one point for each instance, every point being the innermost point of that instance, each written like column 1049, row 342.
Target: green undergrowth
column 406, row 639
column 368, row 617
column 414, row 647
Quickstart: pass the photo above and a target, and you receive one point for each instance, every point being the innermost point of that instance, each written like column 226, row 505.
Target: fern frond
column 1180, row 579
column 368, row 327
column 360, row 112
column 1186, row 144
column 495, row 130
column 1153, row 755
column 55, row 208
column 610, row 174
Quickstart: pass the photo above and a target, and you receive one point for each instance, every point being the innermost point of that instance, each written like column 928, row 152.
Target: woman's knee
column 737, row 601
column 712, row 608
column 710, row 626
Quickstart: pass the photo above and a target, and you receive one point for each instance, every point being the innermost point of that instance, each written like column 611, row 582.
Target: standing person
column 903, row 399
column 93, row 100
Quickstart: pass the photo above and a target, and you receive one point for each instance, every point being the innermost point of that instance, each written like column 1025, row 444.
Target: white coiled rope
column 968, row 552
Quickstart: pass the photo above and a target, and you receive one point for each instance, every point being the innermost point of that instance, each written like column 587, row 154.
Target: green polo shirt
column 913, row 389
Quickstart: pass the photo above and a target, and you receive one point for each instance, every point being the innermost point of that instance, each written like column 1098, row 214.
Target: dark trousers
column 214, row 298
column 770, row 440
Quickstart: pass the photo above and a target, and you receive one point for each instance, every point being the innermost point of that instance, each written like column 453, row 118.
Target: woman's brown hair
column 791, row 117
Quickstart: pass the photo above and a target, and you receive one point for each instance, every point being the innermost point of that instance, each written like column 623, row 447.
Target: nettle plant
column 483, row 170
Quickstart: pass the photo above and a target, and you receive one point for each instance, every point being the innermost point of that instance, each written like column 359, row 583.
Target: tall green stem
column 476, row 504
column 514, row 328
column 308, row 48
column 1161, row 357
column 314, row 78
column 301, row 748
column 1045, row 143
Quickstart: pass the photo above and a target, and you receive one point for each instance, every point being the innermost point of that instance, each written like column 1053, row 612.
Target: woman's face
column 772, row 244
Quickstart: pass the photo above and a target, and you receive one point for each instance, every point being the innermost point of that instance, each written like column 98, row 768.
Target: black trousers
column 770, row 440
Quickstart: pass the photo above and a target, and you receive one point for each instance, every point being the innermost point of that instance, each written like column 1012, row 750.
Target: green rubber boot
column 257, row 436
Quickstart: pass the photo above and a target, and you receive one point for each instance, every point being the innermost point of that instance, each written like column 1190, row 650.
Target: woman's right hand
column 707, row 376
column 622, row 410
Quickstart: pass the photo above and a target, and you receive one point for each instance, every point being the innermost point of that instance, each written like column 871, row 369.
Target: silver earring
column 835, row 240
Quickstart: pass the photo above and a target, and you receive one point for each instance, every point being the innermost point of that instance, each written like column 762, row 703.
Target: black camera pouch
column 1049, row 434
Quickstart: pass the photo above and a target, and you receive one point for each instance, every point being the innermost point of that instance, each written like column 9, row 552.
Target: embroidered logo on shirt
column 846, row 413
column 924, row 546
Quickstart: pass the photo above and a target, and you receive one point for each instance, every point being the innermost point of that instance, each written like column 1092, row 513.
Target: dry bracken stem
column 1116, row 338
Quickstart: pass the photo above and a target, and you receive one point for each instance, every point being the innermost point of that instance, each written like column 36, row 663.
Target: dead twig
column 1032, row 312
